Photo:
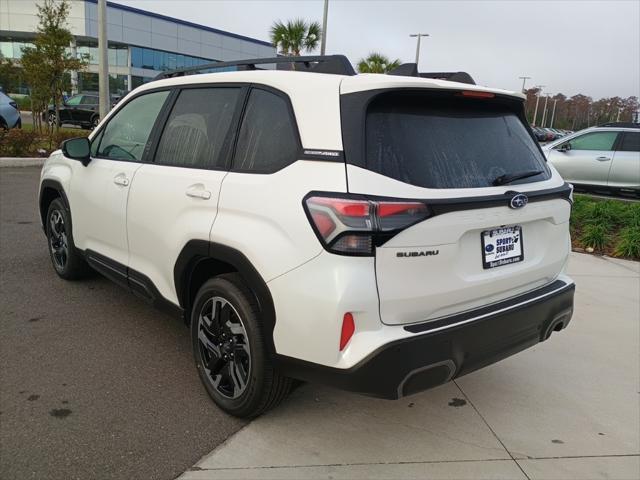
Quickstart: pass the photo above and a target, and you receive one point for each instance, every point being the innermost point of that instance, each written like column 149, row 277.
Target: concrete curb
column 6, row 162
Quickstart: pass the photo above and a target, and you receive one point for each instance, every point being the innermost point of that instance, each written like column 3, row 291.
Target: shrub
column 595, row 235
column 65, row 134
column 18, row 142
column 629, row 242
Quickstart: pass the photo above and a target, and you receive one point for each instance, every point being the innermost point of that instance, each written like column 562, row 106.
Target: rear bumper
column 460, row 345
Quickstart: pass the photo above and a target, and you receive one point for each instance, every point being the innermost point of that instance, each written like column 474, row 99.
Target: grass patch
column 609, row 227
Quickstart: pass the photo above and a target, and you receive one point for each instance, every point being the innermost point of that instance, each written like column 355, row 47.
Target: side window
column 74, row 100
column 127, row 133
column 594, row 141
column 267, row 140
column 90, row 100
column 96, row 142
column 630, row 142
column 197, row 128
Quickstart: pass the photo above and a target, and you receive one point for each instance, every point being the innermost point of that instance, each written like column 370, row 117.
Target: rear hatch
column 489, row 235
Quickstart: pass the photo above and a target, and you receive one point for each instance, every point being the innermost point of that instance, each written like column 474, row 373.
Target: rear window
column 448, row 142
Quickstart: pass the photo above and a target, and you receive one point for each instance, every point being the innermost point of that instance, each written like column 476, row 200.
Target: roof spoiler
column 411, row 70
column 332, row 64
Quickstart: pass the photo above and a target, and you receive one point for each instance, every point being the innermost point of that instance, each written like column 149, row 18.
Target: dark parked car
column 82, row 110
column 540, row 134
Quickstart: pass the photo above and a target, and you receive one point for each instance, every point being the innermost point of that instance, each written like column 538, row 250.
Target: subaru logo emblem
column 519, row 200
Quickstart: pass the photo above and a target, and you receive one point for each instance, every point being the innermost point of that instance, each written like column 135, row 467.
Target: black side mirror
column 564, row 148
column 77, row 149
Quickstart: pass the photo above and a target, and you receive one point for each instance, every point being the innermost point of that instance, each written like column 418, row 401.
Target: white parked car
column 606, row 157
column 380, row 233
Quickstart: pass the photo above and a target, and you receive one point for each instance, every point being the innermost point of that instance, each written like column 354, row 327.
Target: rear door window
column 448, row 143
column 197, row 129
column 630, row 142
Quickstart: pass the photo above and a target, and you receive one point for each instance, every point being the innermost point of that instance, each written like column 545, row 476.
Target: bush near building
column 609, row 227
column 27, row 142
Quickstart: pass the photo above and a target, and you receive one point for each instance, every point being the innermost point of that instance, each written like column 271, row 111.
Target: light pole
column 323, row 43
column 544, row 111
column 103, row 65
column 535, row 113
column 524, row 80
column 553, row 112
column 419, row 35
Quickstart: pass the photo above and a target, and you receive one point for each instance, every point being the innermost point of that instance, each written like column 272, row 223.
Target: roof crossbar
column 332, row 64
column 411, row 70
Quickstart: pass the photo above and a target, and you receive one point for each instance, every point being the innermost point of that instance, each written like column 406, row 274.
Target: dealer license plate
column 502, row 246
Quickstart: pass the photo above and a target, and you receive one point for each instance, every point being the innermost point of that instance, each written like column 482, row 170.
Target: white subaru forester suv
column 380, row 233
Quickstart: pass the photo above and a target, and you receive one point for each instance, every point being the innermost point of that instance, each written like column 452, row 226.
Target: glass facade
column 13, row 48
column 119, row 55
column 160, row 60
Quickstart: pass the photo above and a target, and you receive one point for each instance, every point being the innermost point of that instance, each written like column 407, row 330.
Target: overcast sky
column 589, row 47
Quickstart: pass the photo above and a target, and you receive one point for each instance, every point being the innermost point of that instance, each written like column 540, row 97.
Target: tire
column 65, row 257
column 51, row 119
column 227, row 337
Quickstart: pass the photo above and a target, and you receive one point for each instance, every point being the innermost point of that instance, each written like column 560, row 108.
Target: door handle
column 603, row 159
column 198, row 192
column 121, row 180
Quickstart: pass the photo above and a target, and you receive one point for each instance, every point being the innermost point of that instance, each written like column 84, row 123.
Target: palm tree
column 295, row 35
column 377, row 63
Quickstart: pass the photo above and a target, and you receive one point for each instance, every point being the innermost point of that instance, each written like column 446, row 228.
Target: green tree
column 377, row 63
column 47, row 61
column 295, row 35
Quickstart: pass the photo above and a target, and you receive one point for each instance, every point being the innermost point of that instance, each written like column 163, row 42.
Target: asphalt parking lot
column 94, row 383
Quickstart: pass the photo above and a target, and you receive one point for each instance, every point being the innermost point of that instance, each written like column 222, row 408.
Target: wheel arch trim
column 196, row 251
column 57, row 186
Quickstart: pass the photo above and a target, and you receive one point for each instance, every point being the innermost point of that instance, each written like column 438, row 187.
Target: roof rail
column 333, row 64
column 411, row 70
column 621, row 124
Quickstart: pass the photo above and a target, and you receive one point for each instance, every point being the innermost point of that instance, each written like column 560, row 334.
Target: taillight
column 354, row 226
column 14, row 105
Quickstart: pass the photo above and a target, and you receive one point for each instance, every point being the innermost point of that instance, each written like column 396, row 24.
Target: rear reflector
column 348, row 327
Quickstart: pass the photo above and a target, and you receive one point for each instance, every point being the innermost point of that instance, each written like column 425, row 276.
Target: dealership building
column 141, row 44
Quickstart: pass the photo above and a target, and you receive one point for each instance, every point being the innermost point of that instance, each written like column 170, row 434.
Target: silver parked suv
column 605, row 157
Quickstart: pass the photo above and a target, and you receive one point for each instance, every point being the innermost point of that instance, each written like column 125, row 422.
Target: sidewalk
column 565, row 409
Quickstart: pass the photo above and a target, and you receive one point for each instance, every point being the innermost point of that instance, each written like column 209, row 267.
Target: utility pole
column 323, row 44
column 535, row 113
column 524, row 80
column 553, row 113
column 103, row 59
column 544, row 112
column 419, row 35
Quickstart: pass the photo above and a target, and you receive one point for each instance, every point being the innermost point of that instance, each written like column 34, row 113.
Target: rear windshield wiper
column 512, row 177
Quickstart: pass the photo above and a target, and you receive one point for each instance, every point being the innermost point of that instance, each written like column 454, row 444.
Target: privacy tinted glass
column 267, row 140
column 630, row 142
column 197, row 128
column 127, row 133
column 448, row 143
